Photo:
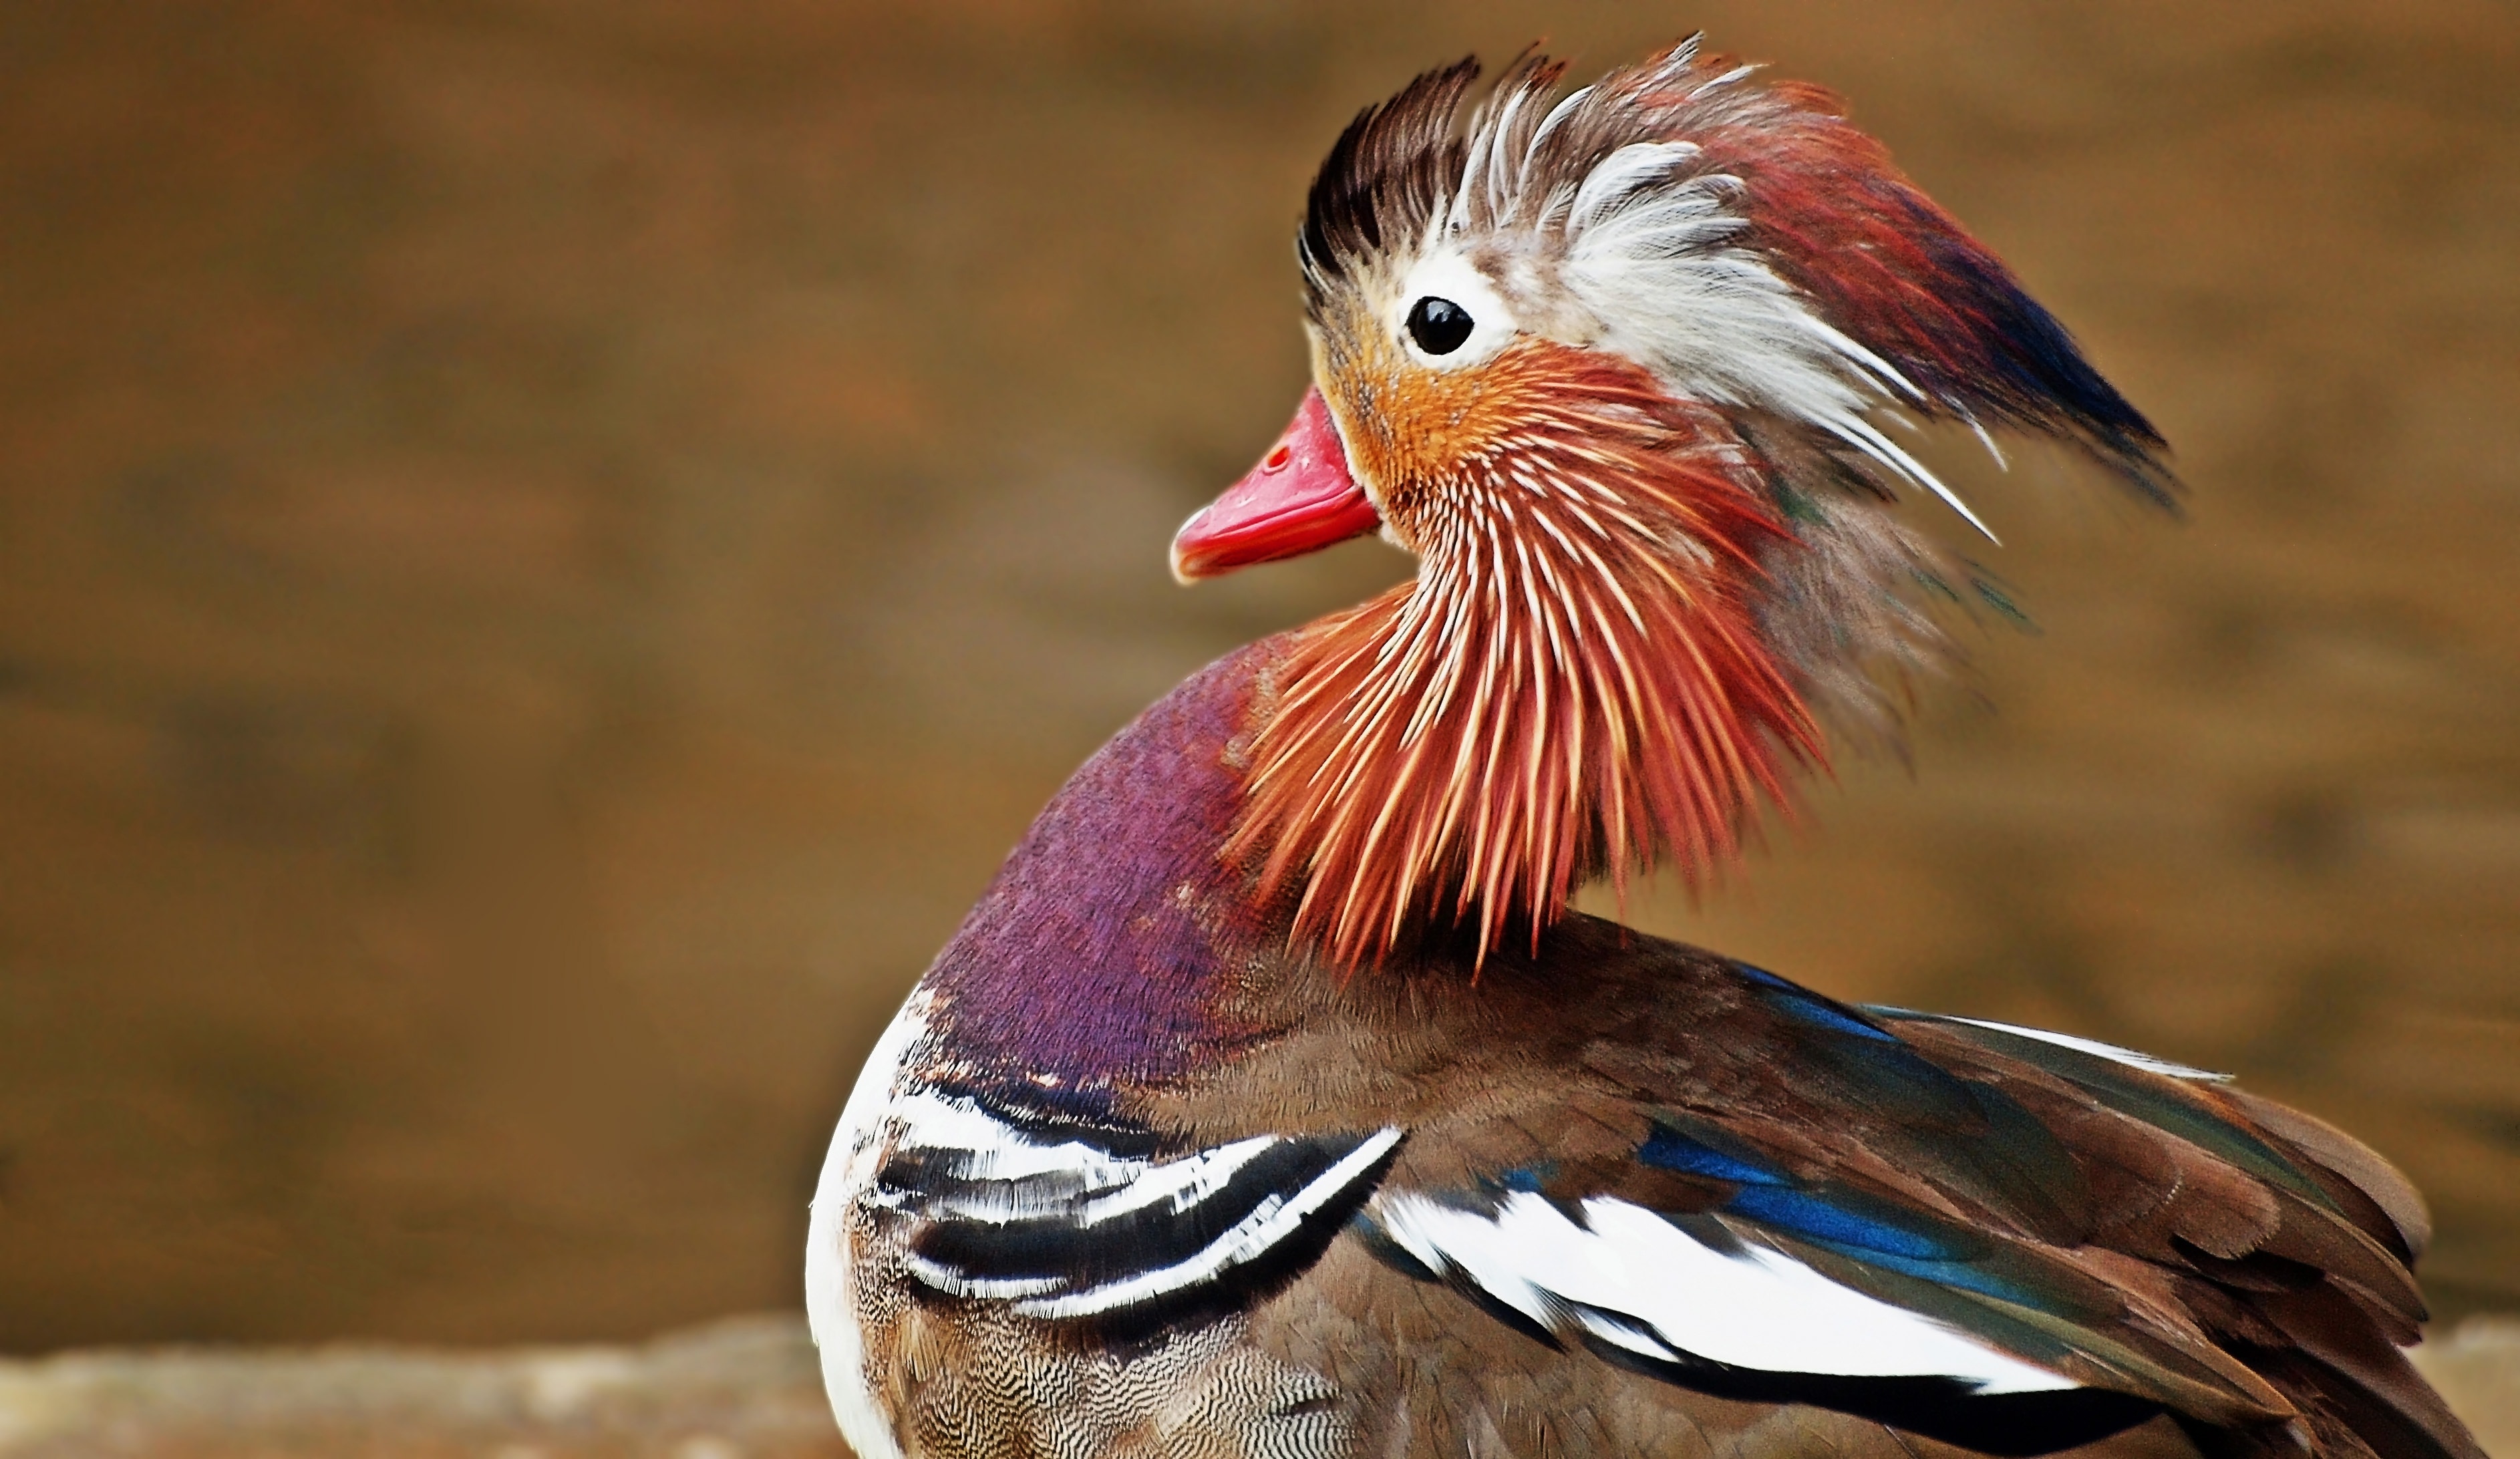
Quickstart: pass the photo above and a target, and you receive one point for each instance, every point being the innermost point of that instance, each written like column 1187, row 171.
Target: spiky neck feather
column 1574, row 683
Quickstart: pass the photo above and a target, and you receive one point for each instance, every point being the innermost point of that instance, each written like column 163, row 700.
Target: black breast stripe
column 1059, row 1224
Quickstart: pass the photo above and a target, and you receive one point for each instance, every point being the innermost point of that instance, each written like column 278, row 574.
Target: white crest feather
column 1654, row 259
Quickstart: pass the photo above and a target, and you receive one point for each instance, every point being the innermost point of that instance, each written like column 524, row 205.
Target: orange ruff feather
column 1573, row 684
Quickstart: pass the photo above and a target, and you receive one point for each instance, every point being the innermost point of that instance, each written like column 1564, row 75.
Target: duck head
column 1625, row 369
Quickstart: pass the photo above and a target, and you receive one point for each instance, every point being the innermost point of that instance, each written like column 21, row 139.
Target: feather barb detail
column 1548, row 703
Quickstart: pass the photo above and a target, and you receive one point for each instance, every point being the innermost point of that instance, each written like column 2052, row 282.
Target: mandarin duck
column 1274, row 1101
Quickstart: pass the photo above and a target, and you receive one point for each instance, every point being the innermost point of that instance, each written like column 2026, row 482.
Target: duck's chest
column 962, row 1239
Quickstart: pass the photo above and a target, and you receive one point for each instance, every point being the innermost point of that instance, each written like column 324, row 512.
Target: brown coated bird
column 1273, row 1102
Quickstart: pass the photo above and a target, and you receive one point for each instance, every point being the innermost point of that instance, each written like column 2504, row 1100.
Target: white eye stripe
column 1448, row 275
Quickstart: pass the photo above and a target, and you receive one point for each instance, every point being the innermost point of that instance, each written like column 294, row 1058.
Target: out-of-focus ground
column 548, row 546
column 738, row 1389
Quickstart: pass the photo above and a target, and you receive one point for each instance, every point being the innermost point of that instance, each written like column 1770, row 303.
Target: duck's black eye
column 1439, row 326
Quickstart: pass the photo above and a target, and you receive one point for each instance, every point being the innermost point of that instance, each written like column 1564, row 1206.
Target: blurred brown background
column 548, row 545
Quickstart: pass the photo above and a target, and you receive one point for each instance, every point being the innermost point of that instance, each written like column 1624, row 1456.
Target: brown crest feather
column 1385, row 176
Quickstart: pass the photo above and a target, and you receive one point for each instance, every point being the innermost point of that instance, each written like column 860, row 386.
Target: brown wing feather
column 1432, row 1375
column 2242, row 1264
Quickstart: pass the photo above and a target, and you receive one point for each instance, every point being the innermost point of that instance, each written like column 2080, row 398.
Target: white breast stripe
column 996, row 1174
column 1178, row 1185
column 935, row 1276
column 2109, row 1052
column 1641, row 1283
column 1100, row 1187
column 830, row 1297
column 998, row 1151
column 1272, row 1222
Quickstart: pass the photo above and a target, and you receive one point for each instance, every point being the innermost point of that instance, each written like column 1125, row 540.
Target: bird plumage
column 1271, row 1101
column 1514, row 722
column 1645, row 490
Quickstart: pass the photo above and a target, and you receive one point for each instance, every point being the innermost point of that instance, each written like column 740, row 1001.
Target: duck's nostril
column 1276, row 460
